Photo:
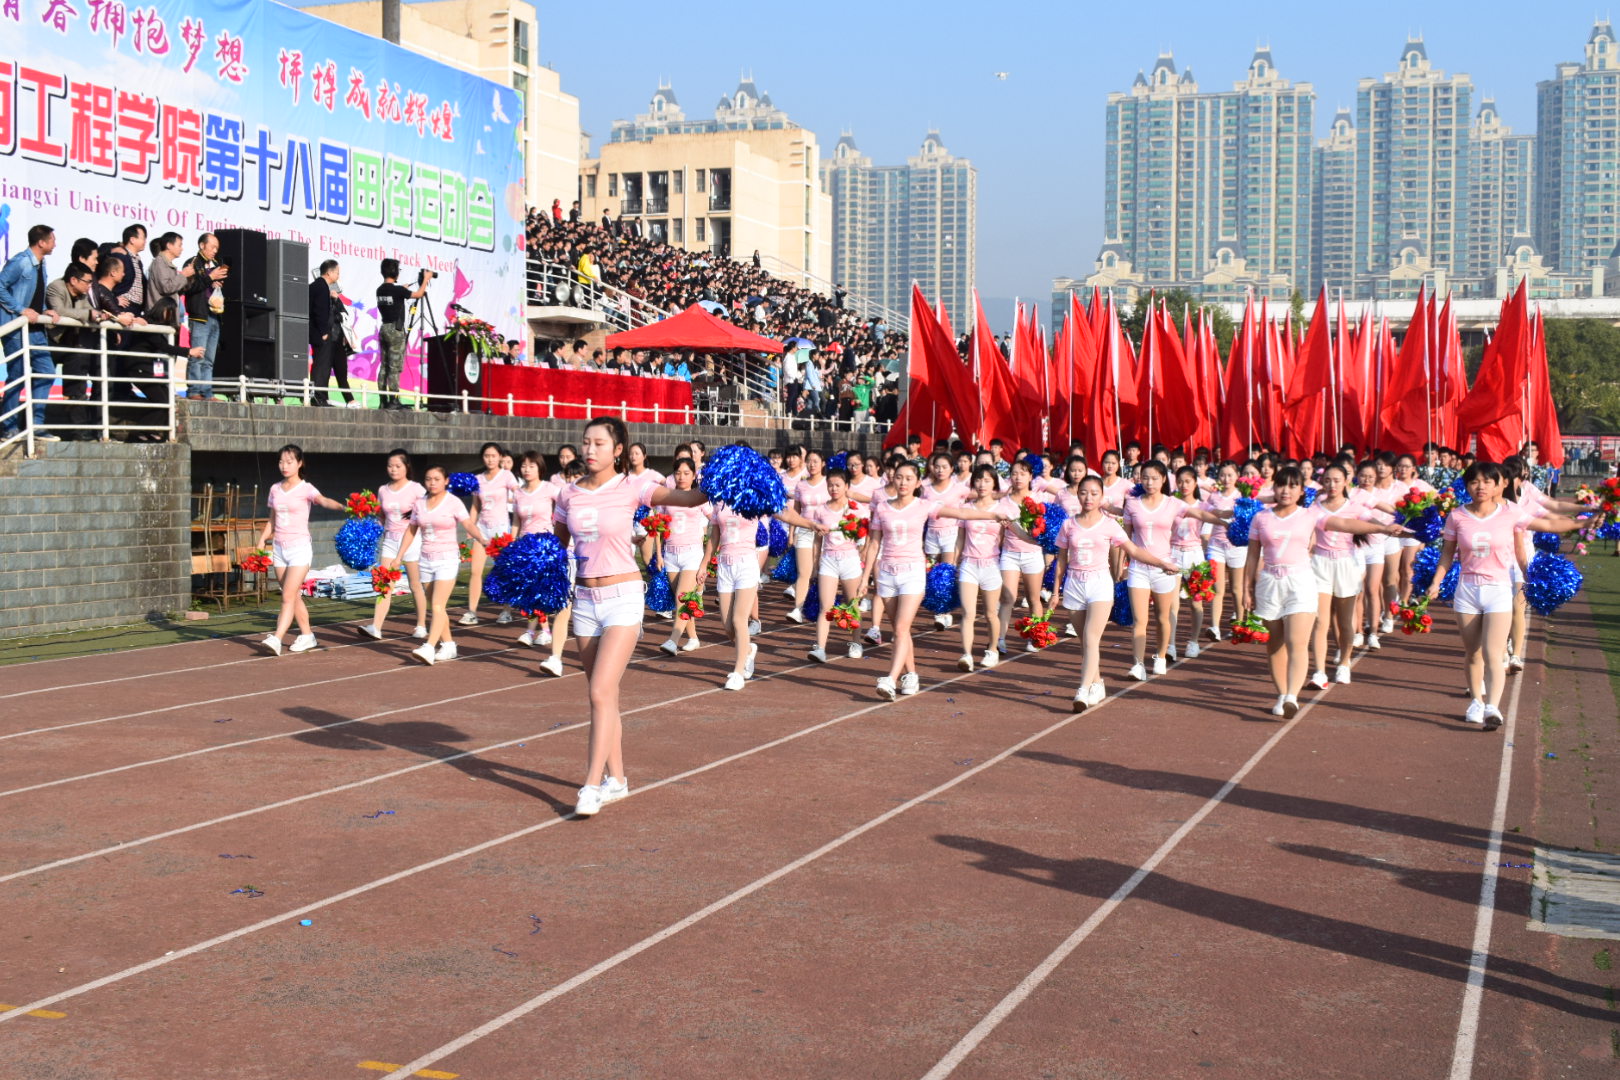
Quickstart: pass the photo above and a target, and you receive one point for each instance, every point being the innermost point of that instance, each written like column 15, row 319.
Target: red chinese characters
column 388, row 101
column 323, row 77
column 442, row 122
column 46, row 85
column 228, row 49
column 109, row 15
column 8, row 106
column 151, row 32
column 195, row 37
column 90, row 145
column 57, row 13
column 292, row 71
column 137, row 136
column 359, row 95
column 416, row 111
column 182, row 148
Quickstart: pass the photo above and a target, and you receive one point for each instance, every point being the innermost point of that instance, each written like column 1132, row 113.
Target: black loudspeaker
column 246, row 252
column 289, row 277
column 452, row 369
column 247, row 342
column 292, row 348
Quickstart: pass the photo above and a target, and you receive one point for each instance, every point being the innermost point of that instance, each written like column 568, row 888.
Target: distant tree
column 1583, row 361
column 1182, row 306
column 1296, row 308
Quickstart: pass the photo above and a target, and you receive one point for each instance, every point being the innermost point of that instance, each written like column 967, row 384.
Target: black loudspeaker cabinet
column 452, row 370
column 246, row 252
column 247, row 342
column 292, row 348
column 289, row 277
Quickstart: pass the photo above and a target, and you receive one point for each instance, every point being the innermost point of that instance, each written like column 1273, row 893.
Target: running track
column 807, row 882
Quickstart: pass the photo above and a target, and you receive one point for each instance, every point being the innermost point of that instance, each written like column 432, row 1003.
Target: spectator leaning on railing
column 22, row 293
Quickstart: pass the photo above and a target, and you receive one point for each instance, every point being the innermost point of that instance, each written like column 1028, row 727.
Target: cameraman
column 391, row 300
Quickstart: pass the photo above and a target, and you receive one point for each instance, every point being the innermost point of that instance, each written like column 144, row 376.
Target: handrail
column 562, row 286
column 855, row 301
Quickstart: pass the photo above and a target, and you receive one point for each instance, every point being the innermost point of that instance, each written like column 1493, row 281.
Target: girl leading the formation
column 292, row 551
column 839, row 568
column 398, row 498
column 1150, row 520
column 683, row 554
column 1338, row 567
column 532, row 510
column 434, row 518
column 978, row 573
column 496, row 489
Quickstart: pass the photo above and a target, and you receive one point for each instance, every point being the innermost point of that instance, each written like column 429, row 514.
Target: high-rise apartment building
column 896, row 224
column 1333, row 209
column 1578, row 156
column 1411, row 178
column 1198, row 183
column 1500, row 169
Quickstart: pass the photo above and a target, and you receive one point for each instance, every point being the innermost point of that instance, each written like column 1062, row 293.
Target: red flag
column 1062, row 379
column 1113, row 396
column 948, row 382
column 1082, row 361
column 1355, row 383
column 1237, row 417
column 1309, row 378
column 945, row 322
column 1499, row 387
column 995, row 383
column 1408, row 397
column 1174, row 401
column 1544, row 430
column 1451, row 379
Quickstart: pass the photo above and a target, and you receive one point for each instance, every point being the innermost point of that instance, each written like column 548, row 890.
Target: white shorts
column 612, row 605
column 1340, row 576
column 1143, row 576
column 1229, row 555
column 1186, row 558
column 1379, row 547
column 940, row 541
column 678, row 559
column 845, row 566
column 985, row 573
column 390, row 548
column 1482, row 597
column 492, row 529
column 1082, row 589
column 299, row 553
column 901, row 579
column 1025, row 562
column 1407, row 541
column 804, row 539
column 440, row 568
column 736, row 573
column 1291, row 592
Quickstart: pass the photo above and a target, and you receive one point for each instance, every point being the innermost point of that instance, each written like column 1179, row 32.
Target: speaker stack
column 264, row 332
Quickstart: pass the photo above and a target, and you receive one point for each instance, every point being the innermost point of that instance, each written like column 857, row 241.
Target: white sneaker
column 795, row 616
column 424, row 653
column 866, row 605
column 669, row 648
column 1082, row 700
column 748, row 664
column 468, row 619
column 273, row 643
column 1001, row 644
column 1099, row 692
column 1158, row 665
column 874, row 635
column 854, row 651
column 1388, row 625
column 1319, row 680
column 1341, row 674
column 371, row 631
column 789, row 593
column 690, row 645
column 526, row 638
column 589, row 801
column 885, row 687
column 1029, row 646
column 1138, row 672
column 991, row 658
column 543, row 637
column 908, row 683
column 753, row 627
column 1214, row 633
column 965, row 662
column 302, row 643
column 447, row 651
column 552, row 665
column 1475, row 713
column 818, row 654
column 1373, row 642
column 614, row 789
column 1277, row 709
column 420, row 633
column 1192, row 650
column 1170, row 654
column 1046, row 594
column 1070, row 631
column 504, row 617
column 667, row 616
column 1493, row 718
column 736, row 680
column 945, row 621
column 1515, row 664
column 1360, row 640
column 1290, row 706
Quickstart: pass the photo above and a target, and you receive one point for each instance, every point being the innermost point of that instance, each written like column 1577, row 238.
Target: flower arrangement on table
column 690, row 605
column 854, row 527
column 257, row 563
column 1250, row 630
column 1420, row 511
column 845, row 616
column 1413, row 617
column 1199, row 582
column 383, row 580
column 481, row 337
column 1037, row 630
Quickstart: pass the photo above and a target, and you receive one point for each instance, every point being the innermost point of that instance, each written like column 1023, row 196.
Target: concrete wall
column 92, row 534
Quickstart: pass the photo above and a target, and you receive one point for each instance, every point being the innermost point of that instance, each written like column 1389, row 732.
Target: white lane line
column 295, row 688
column 1462, row 1052
column 630, row 952
column 454, row 856
column 1004, row 1008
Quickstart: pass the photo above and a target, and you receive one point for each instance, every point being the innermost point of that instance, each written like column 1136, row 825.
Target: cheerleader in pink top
column 683, row 554
column 978, row 571
column 1085, row 582
column 435, row 518
column 286, row 534
column 942, row 541
column 640, row 473
column 493, row 505
column 1484, row 538
column 398, row 498
column 1226, row 560
column 532, row 507
column 596, row 513
column 1151, row 521
column 1023, row 561
column 1339, row 571
column 1284, row 586
column 1187, row 551
column 895, row 549
column 839, row 567
column 806, row 497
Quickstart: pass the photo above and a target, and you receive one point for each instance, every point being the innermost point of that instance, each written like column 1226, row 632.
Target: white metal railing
column 552, row 284
column 856, row 302
column 157, row 395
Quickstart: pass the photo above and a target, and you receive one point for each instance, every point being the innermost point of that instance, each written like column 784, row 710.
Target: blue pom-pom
column 1424, row 565
column 357, row 541
column 1049, row 579
column 1121, row 614
column 1550, row 582
column 531, row 574
column 1460, row 489
column 778, row 537
column 1548, row 542
column 762, row 536
column 1137, row 491
column 1056, row 515
column 1309, row 498
column 641, row 513
column 939, row 595
column 839, row 460
column 660, row 597
column 1037, row 465
column 738, row 477
column 463, row 485
column 787, row 567
column 1427, row 526
column 1243, row 511
column 1609, row 531
column 811, row 608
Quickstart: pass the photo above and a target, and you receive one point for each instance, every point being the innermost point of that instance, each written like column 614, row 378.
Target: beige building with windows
column 498, row 39
column 747, row 180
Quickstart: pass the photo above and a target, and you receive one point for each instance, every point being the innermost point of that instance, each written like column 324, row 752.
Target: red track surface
column 806, row 883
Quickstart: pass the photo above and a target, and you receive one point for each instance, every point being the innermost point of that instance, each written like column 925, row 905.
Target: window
column 520, row 43
column 613, row 185
column 677, row 230
column 678, row 183
column 700, row 224
column 590, row 185
column 520, row 83
column 702, row 179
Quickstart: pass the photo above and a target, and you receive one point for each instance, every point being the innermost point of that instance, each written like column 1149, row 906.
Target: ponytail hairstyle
column 296, row 452
column 620, row 435
column 1514, row 470
column 399, row 452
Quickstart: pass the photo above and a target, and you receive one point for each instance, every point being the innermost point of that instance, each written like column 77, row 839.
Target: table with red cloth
column 564, row 394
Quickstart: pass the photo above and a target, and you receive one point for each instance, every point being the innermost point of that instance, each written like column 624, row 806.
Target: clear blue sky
column 891, row 71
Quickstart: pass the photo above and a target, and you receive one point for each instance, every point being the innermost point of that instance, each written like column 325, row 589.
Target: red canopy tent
column 693, row 329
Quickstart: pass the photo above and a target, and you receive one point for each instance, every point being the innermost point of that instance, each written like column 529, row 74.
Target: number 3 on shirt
column 585, row 524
